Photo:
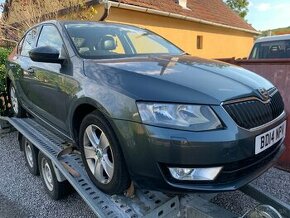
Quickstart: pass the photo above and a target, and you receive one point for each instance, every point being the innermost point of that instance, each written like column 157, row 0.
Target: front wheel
column 102, row 156
column 16, row 108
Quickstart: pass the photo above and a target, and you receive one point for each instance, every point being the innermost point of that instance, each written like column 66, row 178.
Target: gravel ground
column 275, row 181
column 23, row 195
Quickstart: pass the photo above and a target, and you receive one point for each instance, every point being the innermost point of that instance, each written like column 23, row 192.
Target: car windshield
column 99, row 41
column 271, row 50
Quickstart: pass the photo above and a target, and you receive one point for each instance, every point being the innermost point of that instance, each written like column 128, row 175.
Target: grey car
column 140, row 109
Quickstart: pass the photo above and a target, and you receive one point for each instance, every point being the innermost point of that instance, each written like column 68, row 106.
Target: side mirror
column 45, row 54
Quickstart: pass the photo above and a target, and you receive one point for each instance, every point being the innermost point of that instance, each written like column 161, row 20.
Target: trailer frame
column 145, row 203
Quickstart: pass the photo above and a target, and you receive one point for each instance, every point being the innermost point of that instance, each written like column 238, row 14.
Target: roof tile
column 211, row 10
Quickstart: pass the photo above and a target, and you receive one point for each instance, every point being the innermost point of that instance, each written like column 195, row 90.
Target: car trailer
column 67, row 166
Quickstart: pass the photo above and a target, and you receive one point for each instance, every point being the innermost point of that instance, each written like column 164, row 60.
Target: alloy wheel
column 98, row 153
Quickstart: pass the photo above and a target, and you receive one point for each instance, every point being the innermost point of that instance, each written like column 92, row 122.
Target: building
column 207, row 29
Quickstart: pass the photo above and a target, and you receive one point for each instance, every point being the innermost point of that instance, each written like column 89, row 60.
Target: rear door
column 19, row 66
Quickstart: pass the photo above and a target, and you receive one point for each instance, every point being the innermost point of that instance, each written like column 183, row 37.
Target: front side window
column 29, row 41
column 50, row 36
column 271, row 50
column 95, row 41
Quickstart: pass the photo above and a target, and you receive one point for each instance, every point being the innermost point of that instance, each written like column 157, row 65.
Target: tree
column 239, row 6
column 24, row 14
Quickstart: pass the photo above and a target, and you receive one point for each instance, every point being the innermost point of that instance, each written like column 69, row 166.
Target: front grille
column 253, row 113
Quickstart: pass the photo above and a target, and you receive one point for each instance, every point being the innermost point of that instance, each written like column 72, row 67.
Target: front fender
column 111, row 106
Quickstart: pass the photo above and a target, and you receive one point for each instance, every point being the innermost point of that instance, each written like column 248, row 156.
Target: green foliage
column 4, row 52
column 239, row 6
column 3, row 57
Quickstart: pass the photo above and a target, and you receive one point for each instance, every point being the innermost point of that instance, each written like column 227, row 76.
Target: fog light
column 195, row 174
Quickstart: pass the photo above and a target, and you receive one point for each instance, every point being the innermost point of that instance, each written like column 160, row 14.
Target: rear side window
column 271, row 50
column 29, row 41
column 50, row 36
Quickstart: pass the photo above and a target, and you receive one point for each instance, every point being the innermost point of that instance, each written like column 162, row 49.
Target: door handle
column 30, row 70
column 12, row 65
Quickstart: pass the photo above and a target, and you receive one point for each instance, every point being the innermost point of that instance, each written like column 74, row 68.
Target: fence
column 278, row 72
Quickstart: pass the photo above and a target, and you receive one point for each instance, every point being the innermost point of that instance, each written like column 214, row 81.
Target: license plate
column 267, row 139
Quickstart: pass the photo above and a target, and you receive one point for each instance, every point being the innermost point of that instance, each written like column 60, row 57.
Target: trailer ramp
column 145, row 203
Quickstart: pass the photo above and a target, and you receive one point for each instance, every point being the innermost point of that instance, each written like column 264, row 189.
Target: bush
column 3, row 57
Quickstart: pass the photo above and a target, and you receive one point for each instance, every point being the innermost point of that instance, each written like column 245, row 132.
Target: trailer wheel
column 31, row 156
column 55, row 189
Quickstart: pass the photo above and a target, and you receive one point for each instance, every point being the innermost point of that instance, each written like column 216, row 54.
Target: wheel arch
column 9, row 78
column 8, row 82
column 82, row 108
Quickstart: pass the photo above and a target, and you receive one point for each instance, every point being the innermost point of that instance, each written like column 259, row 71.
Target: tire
column 31, row 156
column 55, row 189
column 112, row 176
column 16, row 108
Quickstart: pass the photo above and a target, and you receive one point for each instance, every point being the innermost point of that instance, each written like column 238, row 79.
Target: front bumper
column 150, row 150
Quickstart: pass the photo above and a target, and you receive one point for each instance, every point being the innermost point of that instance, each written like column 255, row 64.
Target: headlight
column 190, row 117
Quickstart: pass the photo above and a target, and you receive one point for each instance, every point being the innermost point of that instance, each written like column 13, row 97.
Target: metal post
column 266, row 198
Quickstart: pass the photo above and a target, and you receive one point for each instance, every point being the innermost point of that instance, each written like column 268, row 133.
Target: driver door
column 49, row 87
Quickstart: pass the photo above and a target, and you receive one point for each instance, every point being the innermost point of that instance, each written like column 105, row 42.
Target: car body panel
column 158, row 148
column 54, row 92
column 181, row 79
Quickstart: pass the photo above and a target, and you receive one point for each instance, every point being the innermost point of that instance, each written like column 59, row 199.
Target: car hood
column 182, row 79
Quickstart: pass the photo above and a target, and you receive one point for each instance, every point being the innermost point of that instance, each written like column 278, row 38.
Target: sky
column 269, row 14
column 1, row 1
column 266, row 14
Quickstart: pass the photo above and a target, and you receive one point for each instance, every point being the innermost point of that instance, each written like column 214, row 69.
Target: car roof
column 273, row 38
column 102, row 23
